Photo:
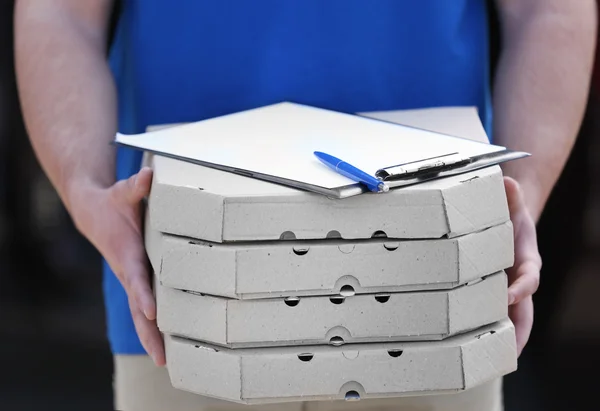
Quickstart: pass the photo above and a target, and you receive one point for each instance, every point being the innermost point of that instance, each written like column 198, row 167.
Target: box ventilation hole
column 206, row 348
column 395, row 353
column 391, row 246
column 333, row 234
column 287, row 235
column 346, row 248
column 382, row 298
column 485, row 334
column 306, row 357
column 476, row 281
column 352, row 396
column 337, row 299
column 347, row 291
column 194, row 293
column 379, row 234
column 336, row 341
column 300, row 250
column 291, row 301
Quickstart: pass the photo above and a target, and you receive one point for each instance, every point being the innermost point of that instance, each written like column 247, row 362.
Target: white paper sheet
column 279, row 140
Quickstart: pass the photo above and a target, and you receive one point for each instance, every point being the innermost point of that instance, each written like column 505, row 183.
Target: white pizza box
column 358, row 371
column 268, row 269
column 407, row 316
column 204, row 203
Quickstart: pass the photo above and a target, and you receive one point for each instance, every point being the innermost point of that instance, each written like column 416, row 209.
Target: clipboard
column 275, row 143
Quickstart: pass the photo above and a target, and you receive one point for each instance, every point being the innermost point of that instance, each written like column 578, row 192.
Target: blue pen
column 348, row 170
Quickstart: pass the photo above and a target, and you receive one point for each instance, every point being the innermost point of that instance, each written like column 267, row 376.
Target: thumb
column 135, row 188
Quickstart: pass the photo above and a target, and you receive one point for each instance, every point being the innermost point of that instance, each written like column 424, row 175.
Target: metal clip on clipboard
column 422, row 167
column 442, row 166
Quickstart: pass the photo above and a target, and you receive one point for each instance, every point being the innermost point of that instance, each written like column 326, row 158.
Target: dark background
column 53, row 350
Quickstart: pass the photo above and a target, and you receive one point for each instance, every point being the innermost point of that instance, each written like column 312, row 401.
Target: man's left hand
column 524, row 275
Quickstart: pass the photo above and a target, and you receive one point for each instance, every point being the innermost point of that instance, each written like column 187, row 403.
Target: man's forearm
column 541, row 87
column 66, row 89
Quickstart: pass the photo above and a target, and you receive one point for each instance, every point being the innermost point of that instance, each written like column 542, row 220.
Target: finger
column 137, row 281
column 521, row 315
column 514, row 195
column 149, row 335
column 144, row 182
column 135, row 188
column 128, row 259
column 526, row 283
column 138, row 186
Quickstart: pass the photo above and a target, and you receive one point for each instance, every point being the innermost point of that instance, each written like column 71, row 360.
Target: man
column 191, row 59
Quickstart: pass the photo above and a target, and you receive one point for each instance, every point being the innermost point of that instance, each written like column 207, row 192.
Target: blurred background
column 53, row 349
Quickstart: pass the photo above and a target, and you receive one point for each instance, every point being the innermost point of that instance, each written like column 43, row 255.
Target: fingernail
column 146, row 313
column 511, row 299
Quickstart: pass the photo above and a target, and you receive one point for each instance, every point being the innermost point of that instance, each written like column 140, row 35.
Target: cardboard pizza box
column 357, row 371
column 213, row 205
column 270, row 269
column 406, row 316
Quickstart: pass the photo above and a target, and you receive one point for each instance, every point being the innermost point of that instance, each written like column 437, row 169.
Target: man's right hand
column 69, row 103
column 111, row 219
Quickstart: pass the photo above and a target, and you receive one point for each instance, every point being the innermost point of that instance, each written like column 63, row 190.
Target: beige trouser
column 141, row 386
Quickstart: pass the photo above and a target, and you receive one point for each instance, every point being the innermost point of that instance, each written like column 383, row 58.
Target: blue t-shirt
column 187, row 60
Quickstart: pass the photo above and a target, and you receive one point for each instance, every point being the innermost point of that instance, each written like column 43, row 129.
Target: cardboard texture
column 327, row 267
column 378, row 370
column 203, row 203
column 425, row 315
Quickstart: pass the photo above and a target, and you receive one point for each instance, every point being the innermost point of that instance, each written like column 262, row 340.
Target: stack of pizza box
column 267, row 294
